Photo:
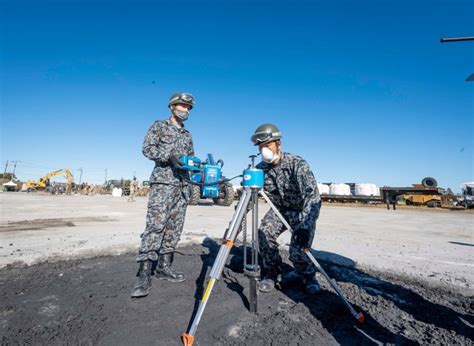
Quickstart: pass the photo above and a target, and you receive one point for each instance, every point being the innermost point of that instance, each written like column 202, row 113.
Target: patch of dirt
column 40, row 224
column 88, row 302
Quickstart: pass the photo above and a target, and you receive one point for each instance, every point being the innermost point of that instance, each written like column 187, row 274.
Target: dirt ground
column 67, row 269
column 88, row 302
column 429, row 245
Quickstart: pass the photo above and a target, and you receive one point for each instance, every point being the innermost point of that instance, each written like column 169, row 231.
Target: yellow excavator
column 43, row 183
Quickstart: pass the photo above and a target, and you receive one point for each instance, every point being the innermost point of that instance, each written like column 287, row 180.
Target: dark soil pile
column 88, row 302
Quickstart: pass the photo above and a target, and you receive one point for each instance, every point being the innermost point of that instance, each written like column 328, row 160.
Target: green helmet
column 182, row 98
column 266, row 133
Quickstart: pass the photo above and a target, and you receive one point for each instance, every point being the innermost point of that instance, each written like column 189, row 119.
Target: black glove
column 302, row 237
column 174, row 159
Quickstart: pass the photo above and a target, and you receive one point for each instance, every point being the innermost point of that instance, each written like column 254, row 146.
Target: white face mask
column 267, row 155
column 183, row 115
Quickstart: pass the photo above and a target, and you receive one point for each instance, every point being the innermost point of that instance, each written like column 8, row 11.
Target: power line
column 14, row 167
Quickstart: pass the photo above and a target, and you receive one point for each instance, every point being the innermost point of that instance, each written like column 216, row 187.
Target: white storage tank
column 323, row 189
column 340, row 189
column 361, row 189
column 376, row 190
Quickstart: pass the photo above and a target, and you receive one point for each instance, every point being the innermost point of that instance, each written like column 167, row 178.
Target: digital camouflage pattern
column 293, row 190
column 168, row 194
column 163, row 140
column 164, row 221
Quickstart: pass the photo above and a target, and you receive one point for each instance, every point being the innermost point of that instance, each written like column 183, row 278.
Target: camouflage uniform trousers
column 268, row 232
column 164, row 221
column 131, row 197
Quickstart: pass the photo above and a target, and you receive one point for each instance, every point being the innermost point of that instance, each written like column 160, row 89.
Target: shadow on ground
column 399, row 312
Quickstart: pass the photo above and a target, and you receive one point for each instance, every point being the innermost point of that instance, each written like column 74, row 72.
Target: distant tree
column 8, row 176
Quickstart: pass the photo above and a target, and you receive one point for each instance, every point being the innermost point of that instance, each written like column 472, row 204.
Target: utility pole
column 105, row 176
column 80, row 176
column 5, row 172
column 14, row 167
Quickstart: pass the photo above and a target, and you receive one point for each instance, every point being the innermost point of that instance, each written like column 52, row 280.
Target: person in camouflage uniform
column 133, row 190
column 292, row 188
column 164, row 143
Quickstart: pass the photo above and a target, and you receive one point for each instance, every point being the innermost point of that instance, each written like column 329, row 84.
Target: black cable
column 220, row 182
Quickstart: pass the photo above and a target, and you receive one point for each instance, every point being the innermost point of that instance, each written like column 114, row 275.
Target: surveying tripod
column 252, row 182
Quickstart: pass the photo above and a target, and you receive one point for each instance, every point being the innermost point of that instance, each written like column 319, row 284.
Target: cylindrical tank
column 366, row 190
column 323, row 189
column 340, row 189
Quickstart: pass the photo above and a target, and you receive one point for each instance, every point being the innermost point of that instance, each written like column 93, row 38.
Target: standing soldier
column 85, row 189
column 133, row 190
column 68, row 187
column 291, row 186
column 164, row 143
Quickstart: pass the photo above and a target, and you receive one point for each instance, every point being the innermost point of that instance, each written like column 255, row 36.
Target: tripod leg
column 358, row 316
column 252, row 271
column 221, row 259
column 277, row 212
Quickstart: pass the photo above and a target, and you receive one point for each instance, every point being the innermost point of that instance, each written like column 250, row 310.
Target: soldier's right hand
column 174, row 159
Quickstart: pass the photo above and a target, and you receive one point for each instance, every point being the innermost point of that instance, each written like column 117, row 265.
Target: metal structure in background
column 457, row 39
column 470, row 78
column 428, row 187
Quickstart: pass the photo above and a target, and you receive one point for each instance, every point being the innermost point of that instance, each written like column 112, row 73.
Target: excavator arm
column 42, row 182
column 66, row 172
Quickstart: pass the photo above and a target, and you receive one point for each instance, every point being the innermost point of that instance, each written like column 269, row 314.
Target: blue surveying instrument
column 253, row 183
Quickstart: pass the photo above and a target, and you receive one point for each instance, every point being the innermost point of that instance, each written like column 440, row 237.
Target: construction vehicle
column 44, row 181
column 467, row 199
column 144, row 188
column 427, row 193
column 207, row 180
column 119, row 184
column 431, row 200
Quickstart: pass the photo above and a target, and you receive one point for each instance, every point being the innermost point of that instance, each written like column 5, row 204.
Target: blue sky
column 363, row 90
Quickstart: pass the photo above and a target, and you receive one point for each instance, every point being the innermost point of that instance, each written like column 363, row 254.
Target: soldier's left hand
column 302, row 238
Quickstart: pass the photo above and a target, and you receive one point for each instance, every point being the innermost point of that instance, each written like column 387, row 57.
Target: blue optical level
column 253, row 177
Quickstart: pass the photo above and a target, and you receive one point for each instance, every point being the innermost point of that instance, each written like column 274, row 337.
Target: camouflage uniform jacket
column 163, row 140
column 291, row 186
